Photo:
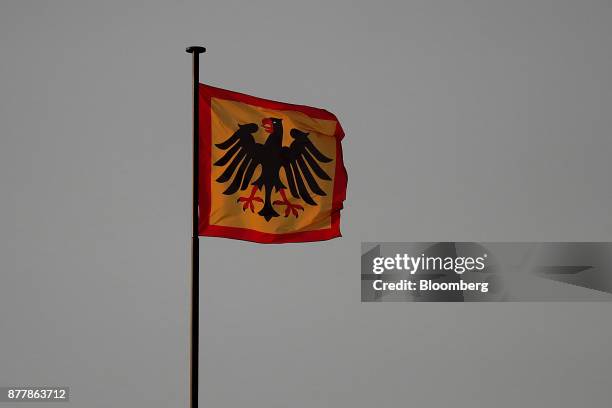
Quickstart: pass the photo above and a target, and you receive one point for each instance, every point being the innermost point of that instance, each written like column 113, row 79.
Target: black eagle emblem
column 300, row 162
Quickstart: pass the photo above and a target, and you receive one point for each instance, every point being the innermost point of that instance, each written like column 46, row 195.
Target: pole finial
column 195, row 49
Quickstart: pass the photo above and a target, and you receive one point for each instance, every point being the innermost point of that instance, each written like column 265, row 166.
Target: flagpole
column 195, row 248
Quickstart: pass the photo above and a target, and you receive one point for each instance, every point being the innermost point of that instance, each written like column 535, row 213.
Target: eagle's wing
column 300, row 160
column 244, row 154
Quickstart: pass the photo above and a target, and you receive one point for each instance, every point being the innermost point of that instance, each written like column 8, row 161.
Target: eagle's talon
column 291, row 207
column 248, row 201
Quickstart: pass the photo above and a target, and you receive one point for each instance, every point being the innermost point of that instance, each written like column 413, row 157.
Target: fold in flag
column 270, row 172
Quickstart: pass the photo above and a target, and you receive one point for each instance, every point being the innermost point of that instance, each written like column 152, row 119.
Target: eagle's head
column 271, row 124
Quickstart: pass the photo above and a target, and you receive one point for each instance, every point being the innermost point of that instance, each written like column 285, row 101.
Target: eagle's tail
column 268, row 211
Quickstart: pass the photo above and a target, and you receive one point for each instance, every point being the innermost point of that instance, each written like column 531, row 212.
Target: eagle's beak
column 267, row 125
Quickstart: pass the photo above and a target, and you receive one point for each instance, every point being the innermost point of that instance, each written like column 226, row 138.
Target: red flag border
column 206, row 92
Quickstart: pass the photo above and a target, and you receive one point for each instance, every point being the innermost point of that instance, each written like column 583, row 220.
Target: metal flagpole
column 195, row 248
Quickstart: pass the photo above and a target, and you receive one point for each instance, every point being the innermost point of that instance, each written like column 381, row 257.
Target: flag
column 270, row 172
